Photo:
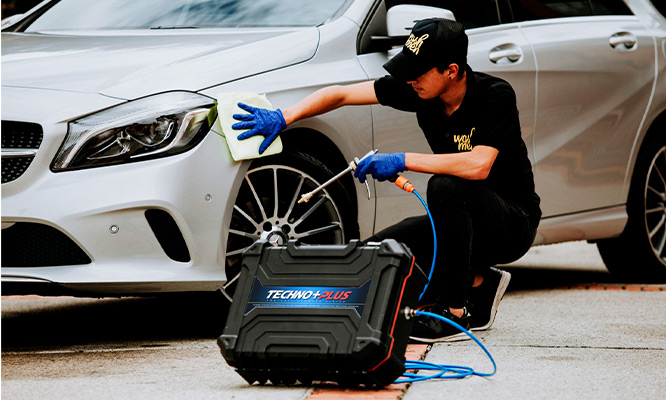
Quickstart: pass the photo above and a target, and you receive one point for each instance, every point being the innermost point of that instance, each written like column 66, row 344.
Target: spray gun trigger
column 353, row 166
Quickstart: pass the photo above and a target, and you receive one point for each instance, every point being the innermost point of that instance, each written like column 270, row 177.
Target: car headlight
column 155, row 126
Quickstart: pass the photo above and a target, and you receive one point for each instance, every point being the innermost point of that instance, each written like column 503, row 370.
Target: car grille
column 20, row 141
column 27, row 244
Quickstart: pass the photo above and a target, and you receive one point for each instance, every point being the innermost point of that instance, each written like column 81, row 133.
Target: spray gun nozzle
column 352, row 166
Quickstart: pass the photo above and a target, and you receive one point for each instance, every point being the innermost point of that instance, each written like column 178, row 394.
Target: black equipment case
column 322, row 313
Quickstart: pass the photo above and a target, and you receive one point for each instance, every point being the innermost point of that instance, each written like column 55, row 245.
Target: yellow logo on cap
column 414, row 43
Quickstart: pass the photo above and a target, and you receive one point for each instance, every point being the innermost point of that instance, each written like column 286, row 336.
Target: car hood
column 129, row 65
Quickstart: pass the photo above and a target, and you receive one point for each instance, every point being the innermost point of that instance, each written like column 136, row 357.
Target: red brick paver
column 616, row 286
column 391, row 392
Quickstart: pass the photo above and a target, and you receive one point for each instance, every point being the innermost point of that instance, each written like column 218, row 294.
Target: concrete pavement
column 565, row 330
column 563, row 344
column 591, row 339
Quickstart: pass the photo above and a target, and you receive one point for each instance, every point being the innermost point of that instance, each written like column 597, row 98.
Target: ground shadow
column 91, row 321
column 536, row 278
column 66, row 323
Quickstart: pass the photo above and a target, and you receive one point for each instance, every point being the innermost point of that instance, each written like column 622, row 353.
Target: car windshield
column 169, row 14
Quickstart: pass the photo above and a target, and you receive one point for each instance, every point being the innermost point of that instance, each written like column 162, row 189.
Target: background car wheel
column 267, row 205
column 640, row 252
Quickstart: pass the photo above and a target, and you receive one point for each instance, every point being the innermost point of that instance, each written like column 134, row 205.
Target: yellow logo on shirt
column 464, row 141
column 414, row 43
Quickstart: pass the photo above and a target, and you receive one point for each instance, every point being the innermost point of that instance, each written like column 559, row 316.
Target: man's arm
column 472, row 165
column 330, row 98
column 270, row 124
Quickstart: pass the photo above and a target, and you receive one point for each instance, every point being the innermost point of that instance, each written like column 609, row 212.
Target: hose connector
column 404, row 184
column 409, row 313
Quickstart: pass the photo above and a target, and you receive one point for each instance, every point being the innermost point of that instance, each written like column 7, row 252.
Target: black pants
column 476, row 229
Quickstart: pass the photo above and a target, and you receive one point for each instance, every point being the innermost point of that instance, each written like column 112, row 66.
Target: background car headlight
column 150, row 127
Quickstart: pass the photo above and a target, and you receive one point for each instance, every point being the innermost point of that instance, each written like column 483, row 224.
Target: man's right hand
column 380, row 166
column 260, row 121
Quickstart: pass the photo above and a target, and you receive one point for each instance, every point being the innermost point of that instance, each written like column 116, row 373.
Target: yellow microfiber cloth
column 227, row 106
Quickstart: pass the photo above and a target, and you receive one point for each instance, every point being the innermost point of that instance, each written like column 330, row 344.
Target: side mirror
column 400, row 20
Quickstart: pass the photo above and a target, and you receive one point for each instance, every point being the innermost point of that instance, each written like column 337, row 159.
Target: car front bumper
column 103, row 211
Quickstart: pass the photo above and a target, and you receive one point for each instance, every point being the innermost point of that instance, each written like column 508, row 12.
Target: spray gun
column 401, row 182
column 352, row 166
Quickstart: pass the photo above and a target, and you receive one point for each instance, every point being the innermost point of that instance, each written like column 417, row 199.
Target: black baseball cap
column 433, row 42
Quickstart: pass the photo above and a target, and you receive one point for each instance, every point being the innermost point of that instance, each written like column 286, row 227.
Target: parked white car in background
column 114, row 184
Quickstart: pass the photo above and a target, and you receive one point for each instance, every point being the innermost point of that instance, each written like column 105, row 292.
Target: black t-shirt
column 487, row 116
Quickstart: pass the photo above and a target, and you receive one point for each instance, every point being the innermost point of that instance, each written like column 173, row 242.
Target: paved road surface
column 565, row 330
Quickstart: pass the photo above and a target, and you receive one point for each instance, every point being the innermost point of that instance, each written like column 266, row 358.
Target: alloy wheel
column 267, row 207
column 655, row 204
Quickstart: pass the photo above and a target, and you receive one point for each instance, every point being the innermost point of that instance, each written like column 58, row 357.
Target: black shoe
column 429, row 329
column 483, row 301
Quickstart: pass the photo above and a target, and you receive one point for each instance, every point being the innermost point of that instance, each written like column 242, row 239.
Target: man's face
column 431, row 84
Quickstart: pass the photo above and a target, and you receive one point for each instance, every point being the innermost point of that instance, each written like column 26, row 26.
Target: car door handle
column 622, row 41
column 506, row 53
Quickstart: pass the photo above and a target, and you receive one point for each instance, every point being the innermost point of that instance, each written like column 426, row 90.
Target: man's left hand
column 381, row 166
column 260, row 121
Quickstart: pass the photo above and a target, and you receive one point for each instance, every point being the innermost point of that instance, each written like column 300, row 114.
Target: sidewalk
column 560, row 333
column 598, row 340
column 552, row 344
column 563, row 344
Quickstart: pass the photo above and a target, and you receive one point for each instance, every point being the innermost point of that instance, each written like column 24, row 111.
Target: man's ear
column 452, row 71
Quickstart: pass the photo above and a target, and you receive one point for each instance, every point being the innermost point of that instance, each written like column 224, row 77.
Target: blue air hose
column 443, row 371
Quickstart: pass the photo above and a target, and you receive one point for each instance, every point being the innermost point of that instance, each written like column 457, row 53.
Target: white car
column 114, row 183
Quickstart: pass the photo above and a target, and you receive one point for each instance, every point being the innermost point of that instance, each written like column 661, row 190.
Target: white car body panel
column 603, row 119
column 130, row 64
column 582, row 172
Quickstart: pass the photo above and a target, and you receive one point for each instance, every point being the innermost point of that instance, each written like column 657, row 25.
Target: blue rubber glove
column 381, row 166
column 260, row 121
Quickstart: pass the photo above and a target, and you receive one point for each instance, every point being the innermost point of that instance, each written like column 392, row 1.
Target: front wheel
column 267, row 206
column 640, row 252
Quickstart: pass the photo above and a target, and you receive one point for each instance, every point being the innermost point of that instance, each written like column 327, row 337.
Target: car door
column 494, row 48
column 595, row 63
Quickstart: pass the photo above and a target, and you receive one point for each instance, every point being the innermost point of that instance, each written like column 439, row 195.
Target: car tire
column 639, row 253
column 267, row 207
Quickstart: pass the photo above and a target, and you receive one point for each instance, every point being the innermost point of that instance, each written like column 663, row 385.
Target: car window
column 505, row 11
column 610, row 7
column 528, row 10
column 470, row 13
column 146, row 14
